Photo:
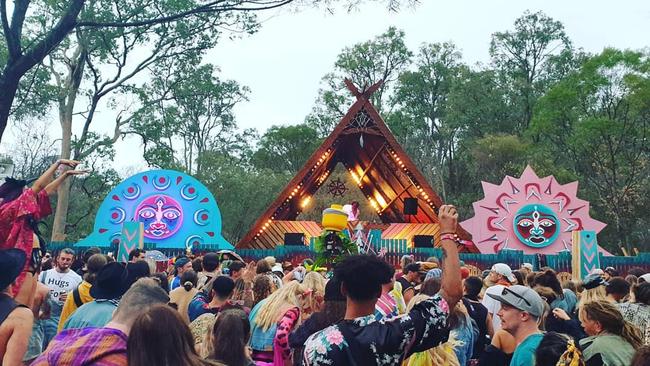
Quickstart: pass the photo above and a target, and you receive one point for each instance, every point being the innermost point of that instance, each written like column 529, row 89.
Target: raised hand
column 70, row 163
column 249, row 272
column 448, row 217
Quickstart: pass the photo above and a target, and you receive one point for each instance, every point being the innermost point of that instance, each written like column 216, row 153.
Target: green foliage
column 530, row 59
column 366, row 63
column 187, row 113
column 596, row 122
column 329, row 258
column 243, row 193
column 286, row 148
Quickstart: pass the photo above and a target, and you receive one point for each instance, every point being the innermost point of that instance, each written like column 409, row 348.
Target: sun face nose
column 536, row 231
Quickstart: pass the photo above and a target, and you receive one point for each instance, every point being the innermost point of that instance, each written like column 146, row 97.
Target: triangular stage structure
column 382, row 170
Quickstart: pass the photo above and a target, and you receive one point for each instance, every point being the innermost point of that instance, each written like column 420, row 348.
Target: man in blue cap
column 181, row 265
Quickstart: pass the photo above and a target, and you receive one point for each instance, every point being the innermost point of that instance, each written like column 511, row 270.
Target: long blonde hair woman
column 443, row 354
column 273, row 319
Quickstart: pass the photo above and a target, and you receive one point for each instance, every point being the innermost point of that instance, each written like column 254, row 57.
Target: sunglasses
column 506, row 291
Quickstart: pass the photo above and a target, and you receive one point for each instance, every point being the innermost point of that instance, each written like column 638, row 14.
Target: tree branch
column 37, row 53
column 212, row 7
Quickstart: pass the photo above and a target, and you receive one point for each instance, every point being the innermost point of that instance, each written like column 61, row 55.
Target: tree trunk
column 67, row 98
column 8, row 89
column 63, row 196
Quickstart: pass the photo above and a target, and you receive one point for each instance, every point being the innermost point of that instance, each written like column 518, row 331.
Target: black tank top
column 7, row 305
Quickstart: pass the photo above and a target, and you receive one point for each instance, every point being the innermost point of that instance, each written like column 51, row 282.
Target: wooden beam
column 396, row 197
column 372, row 161
column 357, row 130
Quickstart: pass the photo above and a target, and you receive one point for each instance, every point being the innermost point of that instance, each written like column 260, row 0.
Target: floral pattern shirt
column 384, row 342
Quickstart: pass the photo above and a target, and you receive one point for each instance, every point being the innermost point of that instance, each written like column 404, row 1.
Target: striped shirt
column 84, row 347
column 386, row 307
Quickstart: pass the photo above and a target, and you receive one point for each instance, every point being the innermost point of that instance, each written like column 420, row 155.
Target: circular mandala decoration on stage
column 336, row 188
column 536, row 215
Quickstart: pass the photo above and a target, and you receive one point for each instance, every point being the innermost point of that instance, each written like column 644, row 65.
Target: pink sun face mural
column 161, row 215
column 536, row 215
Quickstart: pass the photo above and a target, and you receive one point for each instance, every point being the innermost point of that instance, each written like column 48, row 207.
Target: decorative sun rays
column 536, row 215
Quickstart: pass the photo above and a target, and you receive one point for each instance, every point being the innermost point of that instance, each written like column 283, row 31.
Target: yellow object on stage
column 334, row 218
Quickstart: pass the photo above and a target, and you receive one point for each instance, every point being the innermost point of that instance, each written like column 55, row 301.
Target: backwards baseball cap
column 504, row 270
column 180, row 262
column 592, row 281
column 522, row 298
column 528, row 266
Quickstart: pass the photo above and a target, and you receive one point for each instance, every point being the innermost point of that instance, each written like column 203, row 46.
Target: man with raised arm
column 361, row 340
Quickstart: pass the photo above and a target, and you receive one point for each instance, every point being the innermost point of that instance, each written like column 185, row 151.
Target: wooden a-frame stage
column 383, row 171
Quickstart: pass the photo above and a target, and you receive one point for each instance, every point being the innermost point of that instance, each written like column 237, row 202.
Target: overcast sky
column 284, row 62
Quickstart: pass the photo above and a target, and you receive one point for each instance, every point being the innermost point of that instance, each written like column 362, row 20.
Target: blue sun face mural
column 177, row 211
column 536, row 225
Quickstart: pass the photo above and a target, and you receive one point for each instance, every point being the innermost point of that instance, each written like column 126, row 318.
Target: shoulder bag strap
column 76, row 296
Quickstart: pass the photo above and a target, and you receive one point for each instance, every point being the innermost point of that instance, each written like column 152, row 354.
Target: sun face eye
column 147, row 213
column 525, row 223
column 171, row 214
column 546, row 223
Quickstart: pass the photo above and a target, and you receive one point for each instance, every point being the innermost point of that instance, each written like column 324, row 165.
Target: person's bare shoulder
column 21, row 315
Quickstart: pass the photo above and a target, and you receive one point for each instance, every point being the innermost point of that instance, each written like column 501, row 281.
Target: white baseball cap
column 528, row 266
column 277, row 268
column 597, row 271
column 646, row 277
column 504, row 270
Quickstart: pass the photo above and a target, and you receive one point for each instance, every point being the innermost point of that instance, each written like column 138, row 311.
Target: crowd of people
column 212, row 309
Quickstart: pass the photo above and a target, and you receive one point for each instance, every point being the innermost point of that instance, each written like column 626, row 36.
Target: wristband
column 449, row 236
column 453, row 237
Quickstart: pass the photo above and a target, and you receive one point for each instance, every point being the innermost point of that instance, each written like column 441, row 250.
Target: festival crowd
column 215, row 309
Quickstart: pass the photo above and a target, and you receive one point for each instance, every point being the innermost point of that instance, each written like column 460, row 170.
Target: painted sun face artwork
column 177, row 211
column 161, row 215
column 536, row 215
column 536, row 226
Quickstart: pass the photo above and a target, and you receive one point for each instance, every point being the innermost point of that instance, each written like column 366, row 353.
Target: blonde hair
column 290, row 293
column 314, row 281
column 611, row 320
column 443, row 354
column 152, row 265
column 594, row 294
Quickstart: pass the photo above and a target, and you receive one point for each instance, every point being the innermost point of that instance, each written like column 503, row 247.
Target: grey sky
column 283, row 63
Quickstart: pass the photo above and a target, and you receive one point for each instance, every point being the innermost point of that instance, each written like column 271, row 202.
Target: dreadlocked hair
column 289, row 293
column 611, row 320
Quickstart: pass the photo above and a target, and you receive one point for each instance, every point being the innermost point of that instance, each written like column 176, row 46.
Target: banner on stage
column 132, row 238
column 584, row 254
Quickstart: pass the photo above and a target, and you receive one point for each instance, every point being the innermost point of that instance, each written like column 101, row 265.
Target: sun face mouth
column 157, row 232
column 537, row 239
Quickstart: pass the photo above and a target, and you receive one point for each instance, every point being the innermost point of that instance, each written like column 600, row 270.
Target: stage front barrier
column 396, row 248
